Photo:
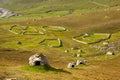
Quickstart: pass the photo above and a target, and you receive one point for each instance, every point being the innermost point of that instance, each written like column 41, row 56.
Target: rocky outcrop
column 5, row 13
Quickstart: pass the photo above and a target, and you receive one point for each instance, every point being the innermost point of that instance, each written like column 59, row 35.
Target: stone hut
column 71, row 65
column 78, row 62
column 110, row 53
column 105, row 43
column 38, row 60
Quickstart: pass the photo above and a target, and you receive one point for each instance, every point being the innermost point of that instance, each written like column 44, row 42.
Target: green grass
column 115, row 36
column 43, row 9
column 54, row 28
column 106, row 57
column 40, row 6
column 45, row 68
column 92, row 38
column 51, row 43
column 38, row 68
column 39, row 13
column 25, row 30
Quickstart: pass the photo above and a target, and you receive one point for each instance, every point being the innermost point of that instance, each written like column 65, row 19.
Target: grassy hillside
column 88, row 16
column 38, row 6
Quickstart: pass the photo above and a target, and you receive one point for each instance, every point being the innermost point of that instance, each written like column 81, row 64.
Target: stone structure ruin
column 38, row 60
column 77, row 63
column 5, row 13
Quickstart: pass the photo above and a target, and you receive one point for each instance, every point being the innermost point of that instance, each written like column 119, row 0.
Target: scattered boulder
column 110, row 53
column 19, row 42
column 38, row 60
column 66, row 51
column 105, row 43
column 71, row 65
column 87, row 34
column 11, row 79
column 74, row 55
column 79, row 51
column 78, row 55
column 74, row 48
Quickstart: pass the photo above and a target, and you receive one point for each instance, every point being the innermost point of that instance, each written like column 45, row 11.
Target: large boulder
column 38, row 60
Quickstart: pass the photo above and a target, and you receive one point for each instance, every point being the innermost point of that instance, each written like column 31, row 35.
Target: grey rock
column 74, row 48
column 87, row 34
column 79, row 51
column 66, row 51
column 74, row 55
column 11, row 79
column 5, row 13
column 105, row 43
column 78, row 55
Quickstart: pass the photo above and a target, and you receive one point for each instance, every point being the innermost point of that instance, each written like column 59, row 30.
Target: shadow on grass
column 45, row 68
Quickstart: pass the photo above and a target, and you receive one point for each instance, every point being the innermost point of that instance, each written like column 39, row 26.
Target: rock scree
column 5, row 13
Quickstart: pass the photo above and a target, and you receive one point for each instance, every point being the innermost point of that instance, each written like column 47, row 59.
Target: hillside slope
column 20, row 37
column 38, row 6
